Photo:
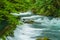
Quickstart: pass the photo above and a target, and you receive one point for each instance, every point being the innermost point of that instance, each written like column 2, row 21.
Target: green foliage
column 47, row 7
column 6, row 19
column 42, row 7
column 10, row 6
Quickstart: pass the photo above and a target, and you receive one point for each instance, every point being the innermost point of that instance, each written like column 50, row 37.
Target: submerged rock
column 28, row 21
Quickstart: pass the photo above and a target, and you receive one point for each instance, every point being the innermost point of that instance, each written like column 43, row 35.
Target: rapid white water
column 42, row 27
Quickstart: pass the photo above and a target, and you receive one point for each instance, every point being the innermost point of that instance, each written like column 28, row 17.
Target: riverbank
column 8, row 31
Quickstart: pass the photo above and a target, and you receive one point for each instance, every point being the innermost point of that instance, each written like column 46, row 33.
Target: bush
column 6, row 19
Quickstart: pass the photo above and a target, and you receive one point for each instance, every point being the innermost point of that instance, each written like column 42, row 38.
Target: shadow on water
column 3, row 24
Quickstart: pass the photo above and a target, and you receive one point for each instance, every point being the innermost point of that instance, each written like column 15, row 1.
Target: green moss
column 43, row 38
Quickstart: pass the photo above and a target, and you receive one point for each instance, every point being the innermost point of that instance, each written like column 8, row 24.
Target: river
column 41, row 26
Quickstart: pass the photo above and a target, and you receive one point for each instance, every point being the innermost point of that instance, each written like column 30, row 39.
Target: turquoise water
column 42, row 26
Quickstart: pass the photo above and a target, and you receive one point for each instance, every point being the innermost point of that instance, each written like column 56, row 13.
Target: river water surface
column 42, row 26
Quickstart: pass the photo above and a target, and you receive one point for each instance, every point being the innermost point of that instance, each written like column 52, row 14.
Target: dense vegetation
column 41, row 7
column 48, row 7
column 7, row 21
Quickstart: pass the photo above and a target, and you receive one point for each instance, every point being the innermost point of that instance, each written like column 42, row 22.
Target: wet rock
column 28, row 21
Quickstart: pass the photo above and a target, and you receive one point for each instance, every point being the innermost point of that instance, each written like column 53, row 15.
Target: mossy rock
column 43, row 38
